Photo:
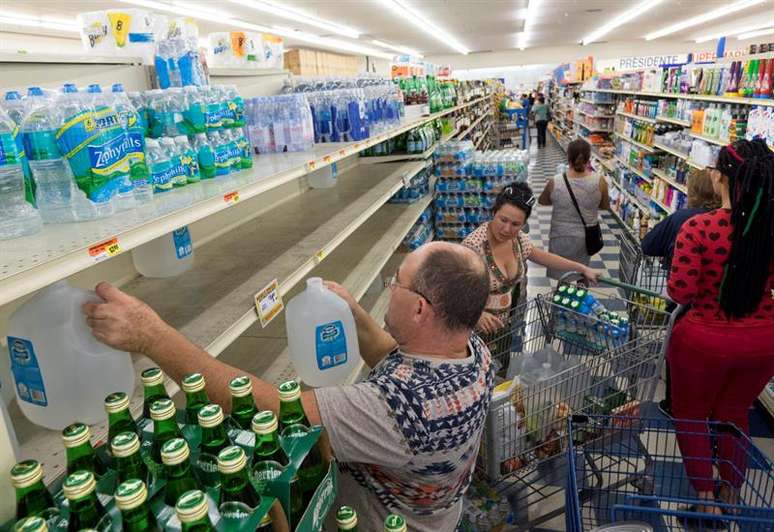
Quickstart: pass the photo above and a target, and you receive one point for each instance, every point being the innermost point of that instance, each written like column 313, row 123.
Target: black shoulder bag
column 594, row 242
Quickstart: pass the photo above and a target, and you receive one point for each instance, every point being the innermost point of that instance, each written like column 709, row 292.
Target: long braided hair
column 749, row 167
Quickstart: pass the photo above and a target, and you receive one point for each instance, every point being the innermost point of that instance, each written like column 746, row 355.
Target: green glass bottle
column 267, row 444
column 214, row 434
column 85, row 509
column 32, row 497
column 191, row 509
column 127, row 460
column 234, row 482
column 119, row 418
column 346, row 519
column 312, row 469
column 153, row 389
column 164, row 426
column 195, row 396
column 31, row 524
column 395, row 523
column 177, row 470
column 80, row 453
column 131, row 498
column 291, row 410
column 242, row 403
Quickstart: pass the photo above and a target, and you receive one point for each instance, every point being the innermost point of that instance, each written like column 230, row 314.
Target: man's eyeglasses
column 392, row 282
column 511, row 193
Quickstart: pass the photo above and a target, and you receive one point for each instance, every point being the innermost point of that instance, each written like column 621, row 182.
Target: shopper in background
column 540, row 111
column 577, row 197
column 505, row 249
column 721, row 354
column 407, row 437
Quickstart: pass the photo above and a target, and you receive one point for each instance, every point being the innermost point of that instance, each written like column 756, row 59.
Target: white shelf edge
column 247, row 72
column 674, row 184
column 649, row 149
column 636, row 117
column 399, row 156
column 672, row 121
column 634, row 170
column 701, row 97
column 716, row 142
column 53, row 58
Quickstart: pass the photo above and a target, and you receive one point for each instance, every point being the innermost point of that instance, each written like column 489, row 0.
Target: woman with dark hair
column 721, row 354
column 577, row 197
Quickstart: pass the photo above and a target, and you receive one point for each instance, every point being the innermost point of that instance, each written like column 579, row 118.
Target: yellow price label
column 231, row 197
column 311, row 165
column 268, row 302
column 105, row 250
column 319, row 256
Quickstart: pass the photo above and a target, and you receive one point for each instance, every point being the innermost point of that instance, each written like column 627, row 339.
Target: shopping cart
column 638, row 269
column 568, row 362
column 623, row 469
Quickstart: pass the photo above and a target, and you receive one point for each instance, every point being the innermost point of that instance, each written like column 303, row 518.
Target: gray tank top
column 565, row 220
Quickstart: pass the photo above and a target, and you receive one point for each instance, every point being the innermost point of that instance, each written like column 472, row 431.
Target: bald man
column 406, row 437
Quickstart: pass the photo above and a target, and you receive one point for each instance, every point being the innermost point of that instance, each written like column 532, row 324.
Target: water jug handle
column 315, row 283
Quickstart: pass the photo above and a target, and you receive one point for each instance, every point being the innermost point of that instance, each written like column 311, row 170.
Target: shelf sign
column 231, row 197
column 268, row 303
column 105, row 250
column 319, row 256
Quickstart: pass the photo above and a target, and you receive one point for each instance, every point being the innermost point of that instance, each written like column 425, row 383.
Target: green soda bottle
column 127, row 460
column 164, row 426
column 242, row 403
column 195, row 396
column 214, row 435
column 80, row 453
column 131, row 498
column 153, row 389
column 234, row 483
column 291, row 410
column 346, row 519
column 32, row 497
column 177, row 470
column 119, row 418
column 31, row 524
column 267, row 444
column 191, row 509
column 395, row 523
column 268, row 470
column 312, row 469
column 85, row 509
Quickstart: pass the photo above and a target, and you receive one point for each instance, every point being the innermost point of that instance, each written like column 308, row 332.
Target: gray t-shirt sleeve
column 360, row 427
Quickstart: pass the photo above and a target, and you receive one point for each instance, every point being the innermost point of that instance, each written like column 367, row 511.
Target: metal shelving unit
column 679, row 154
column 671, row 182
column 636, row 117
column 645, row 147
column 703, row 97
column 634, row 170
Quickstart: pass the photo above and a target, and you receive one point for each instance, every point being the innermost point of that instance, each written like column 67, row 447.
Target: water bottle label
column 162, row 177
column 206, row 162
column 10, row 152
column 40, row 145
column 331, row 345
column 214, row 119
column 194, row 119
column 106, row 118
column 191, row 166
column 229, row 114
column 109, row 162
column 26, row 371
column 182, row 239
column 222, row 160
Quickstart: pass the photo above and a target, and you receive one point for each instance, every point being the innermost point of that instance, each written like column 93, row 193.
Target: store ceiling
column 480, row 25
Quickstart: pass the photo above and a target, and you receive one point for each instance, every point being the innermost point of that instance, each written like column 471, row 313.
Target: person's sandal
column 702, row 521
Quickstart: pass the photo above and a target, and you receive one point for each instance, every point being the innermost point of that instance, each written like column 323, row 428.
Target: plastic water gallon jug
column 61, row 372
column 165, row 256
column 322, row 337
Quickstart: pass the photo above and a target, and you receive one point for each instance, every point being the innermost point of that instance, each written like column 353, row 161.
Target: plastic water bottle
column 188, row 158
column 132, row 125
column 214, row 111
column 195, row 113
column 166, row 256
column 235, row 152
column 222, row 155
column 173, row 152
column 177, row 105
column 322, row 337
column 140, row 104
column 61, row 372
column 245, row 149
column 160, row 166
column 14, row 106
column 205, row 155
column 17, row 216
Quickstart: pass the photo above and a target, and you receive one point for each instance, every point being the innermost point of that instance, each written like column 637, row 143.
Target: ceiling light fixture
column 203, row 9
column 620, row 20
column 328, row 42
column 401, row 49
column 732, row 32
column 701, row 19
column 291, row 13
column 30, row 21
column 758, row 33
column 420, row 21
column 529, row 21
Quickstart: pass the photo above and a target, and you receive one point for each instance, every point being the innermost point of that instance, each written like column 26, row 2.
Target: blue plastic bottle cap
column 94, row 88
column 69, row 88
column 117, row 87
column 12, row 95
column 34, row 91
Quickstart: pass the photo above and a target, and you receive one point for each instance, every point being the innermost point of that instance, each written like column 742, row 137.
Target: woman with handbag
column 577, row 195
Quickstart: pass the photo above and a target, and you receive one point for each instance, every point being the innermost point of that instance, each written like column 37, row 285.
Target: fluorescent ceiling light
column 731, row 33
column 203, row 8
column 401, row 49
column 701, row 19
column 420, row 21
column 31, row 21
column 620, row 20
column 291, row 13
column 316, row 40
column 758, row 33
column 529, row 21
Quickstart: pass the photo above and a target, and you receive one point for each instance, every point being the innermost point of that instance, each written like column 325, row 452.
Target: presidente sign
column 639, row 62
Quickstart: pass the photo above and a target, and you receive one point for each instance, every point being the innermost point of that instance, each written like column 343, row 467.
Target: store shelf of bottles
column 679, row 154
column 484, row 135
column 83, row 59
column 643, row 208
column 471, row 127
column 399, row 156
column 634, row 170
column 247, row 72
column 594, row 115
column 671, row 182
column 702, row 97
column 675, row 121
column 645, row 147
column 623, row 224
column 637, row 117
column 593, row 129
column 608, row 164
column 666, row 209
column 711, row 140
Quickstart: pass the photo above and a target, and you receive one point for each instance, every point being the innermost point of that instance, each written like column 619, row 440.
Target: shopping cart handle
column 603, row 279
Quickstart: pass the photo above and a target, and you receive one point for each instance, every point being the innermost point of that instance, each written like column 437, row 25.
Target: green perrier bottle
column 242, row 403
column 131, row 498
column 177, row 470
column 214, row 434
column 153, row 389
column 234, row 483
column 291, row 411
column 127, row 460
column 195, row 396
column 85, row 509
column 191, row 509
column 164, row 426
column 31, row 524
column 80, row 453
column 119, row 418
column 267, row 444
column 395, row 523
column 312, row 469
column 32, row 497
column 346, row 519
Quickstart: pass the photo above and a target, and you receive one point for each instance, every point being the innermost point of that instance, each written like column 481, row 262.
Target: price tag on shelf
column 105, row 250
column 231, row 197
column 268, row 303
column 311, row 165
column 327, row 159
column 319, row 256
column 342, row 153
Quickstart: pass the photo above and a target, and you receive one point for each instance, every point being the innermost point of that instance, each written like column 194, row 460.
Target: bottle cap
column 152, row 376
column 34, row 91
column 264, row 422
column 130, row 494
column 191, row 506
column 117, row 87
column 231, row 459
column 193, row 383
column 394, row 523
column 116, row 402
column 12, row 95
column 75, row 435
column 69, row 88
column 210, row 416
column 94, row 88
column 346, row 518
column 289, row 391
column 240, row 386
column 31, row 524
column 162, row 409
column 26, row 473
column 174, row 451
column 124, row 444
column 78, row 485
